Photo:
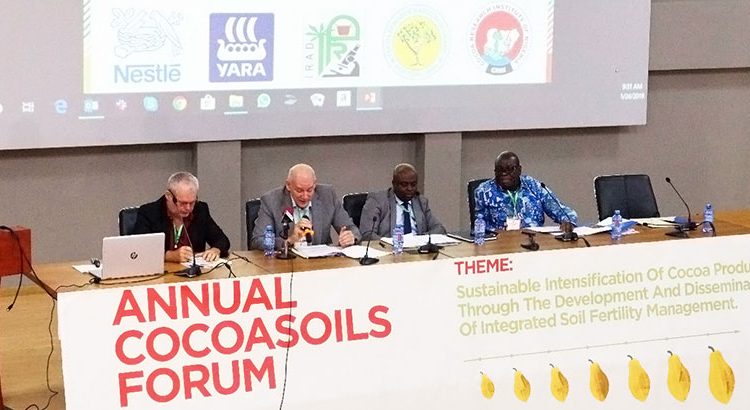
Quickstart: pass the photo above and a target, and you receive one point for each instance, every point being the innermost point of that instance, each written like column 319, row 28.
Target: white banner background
column 425, row 362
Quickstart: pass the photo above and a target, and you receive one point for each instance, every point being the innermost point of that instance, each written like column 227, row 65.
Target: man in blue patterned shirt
column 514, row 201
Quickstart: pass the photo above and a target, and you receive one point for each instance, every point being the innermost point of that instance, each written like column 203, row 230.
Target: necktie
column 407, row 219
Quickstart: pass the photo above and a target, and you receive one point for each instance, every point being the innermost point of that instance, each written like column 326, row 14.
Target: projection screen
column 131, row 72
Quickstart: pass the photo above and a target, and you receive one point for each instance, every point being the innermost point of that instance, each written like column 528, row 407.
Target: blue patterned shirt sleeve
column 530, row 205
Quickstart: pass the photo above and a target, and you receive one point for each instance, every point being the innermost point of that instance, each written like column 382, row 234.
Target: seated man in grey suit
column 400, row 204
column 312, row 209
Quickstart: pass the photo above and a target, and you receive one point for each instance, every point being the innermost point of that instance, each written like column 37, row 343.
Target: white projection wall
column 122, row 72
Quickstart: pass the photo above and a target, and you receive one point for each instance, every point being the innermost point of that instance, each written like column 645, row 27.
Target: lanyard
column 514, row 199
column 177, row 235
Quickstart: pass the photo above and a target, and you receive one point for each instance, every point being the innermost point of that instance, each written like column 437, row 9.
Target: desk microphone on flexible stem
column 286, row 221
column 568, row 234
column 367, row 260
column 682, row 228
column 194, row 270
column 429, row 247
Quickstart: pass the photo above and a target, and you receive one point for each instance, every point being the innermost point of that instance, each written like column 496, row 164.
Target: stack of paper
column 415, row 241
column 316, row 251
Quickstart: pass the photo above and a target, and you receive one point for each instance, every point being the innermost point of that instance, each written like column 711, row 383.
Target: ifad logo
column 332, row 48
column 241, row 47
column 499, row 38
column 416, row 42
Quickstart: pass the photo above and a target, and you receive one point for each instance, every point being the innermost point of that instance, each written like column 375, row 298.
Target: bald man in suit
column 310, row 207
column 400, row 204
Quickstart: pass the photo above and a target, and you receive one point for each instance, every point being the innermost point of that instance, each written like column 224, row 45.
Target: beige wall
column 697, row 133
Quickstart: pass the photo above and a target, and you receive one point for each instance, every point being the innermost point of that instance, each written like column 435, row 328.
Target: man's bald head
column 405, row 181
column 300, row 182
column 508, row 170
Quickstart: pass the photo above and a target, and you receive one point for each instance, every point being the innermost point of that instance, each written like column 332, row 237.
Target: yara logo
column 242, row 47
column 242, row 43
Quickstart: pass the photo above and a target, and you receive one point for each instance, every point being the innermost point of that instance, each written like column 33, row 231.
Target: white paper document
column 358, row 251
column 665, row 222
column 415, row 241
column 88, row 268
column 316, row 251
column 203, row 263
column 580, row 230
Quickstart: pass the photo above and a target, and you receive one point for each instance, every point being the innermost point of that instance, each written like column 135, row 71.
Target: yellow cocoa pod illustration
column 598, row 381
column 521, row 386
column 720, row 376
column 558, row 384
column 638, row 380
column 678, row 377
column 488, row 388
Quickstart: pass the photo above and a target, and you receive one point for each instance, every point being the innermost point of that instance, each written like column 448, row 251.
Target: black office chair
column 252, row 207
column 631, row 194
column 126, row 220
column 353, row 204
column 470, row 188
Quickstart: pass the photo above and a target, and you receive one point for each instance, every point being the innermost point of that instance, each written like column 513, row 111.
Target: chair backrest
column 631, row 194
column 126, row 220
column 252, row 207
column 353, row 204
column 470, row 188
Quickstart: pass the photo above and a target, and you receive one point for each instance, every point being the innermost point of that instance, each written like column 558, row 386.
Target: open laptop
column 131, row 255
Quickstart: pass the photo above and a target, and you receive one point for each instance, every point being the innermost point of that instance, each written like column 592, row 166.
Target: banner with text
column 659, row 325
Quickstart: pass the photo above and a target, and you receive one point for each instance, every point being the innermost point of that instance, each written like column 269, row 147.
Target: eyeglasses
column 507, row 171
column 189, row 204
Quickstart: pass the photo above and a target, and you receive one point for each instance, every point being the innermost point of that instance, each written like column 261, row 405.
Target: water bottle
column 269, row 241
column 479, row 228
column 708, row 216
column 398, row 239
column 616, row 231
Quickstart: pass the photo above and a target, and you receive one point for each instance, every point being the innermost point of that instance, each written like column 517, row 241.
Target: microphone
column 367, row 260
column 194, row 270
column 308, row 232
column 429, row 247
column 681, row 227
column 568, row 234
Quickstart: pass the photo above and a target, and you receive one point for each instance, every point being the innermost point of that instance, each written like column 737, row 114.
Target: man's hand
column 179, row 255
column 299, row 230
column 566, row 227
column 211, row 254
column 346, row 237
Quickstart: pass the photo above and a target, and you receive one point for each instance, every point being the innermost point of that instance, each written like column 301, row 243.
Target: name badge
column 513, row 224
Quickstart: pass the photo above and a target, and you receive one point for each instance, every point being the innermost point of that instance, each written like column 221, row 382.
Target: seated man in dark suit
column 400, row 204
column 185, row 221
column 311, row 208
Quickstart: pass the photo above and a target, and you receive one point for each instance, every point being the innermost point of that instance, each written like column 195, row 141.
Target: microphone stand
column 682, row 229
column 429, row 247
column 532, row 245
column 285, row 254
column 366, row 259
column 194, row 270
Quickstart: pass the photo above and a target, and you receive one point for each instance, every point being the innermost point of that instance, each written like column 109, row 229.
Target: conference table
column 61, row 277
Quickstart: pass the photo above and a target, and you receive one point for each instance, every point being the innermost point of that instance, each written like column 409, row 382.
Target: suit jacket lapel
column 286, row 203
column 318, row 216
column 418, row 216
column 392, row 209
